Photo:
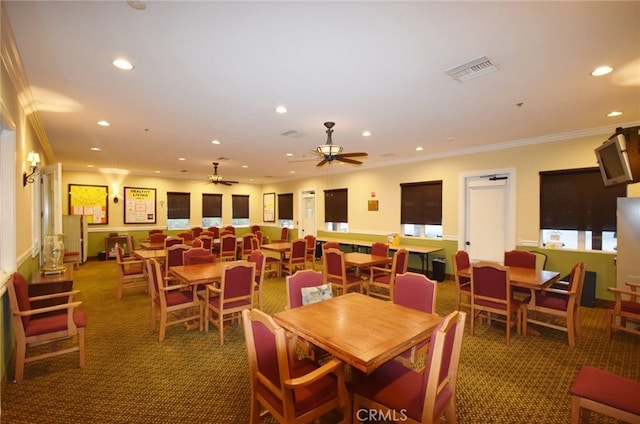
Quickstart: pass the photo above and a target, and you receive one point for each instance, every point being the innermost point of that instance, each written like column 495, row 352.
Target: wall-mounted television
column 613, row 160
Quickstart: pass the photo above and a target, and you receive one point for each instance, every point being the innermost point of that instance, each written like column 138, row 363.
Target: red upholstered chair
column 520, row 259
column 247, row 245
column 380, row 249
column 187, row 236
column 260, row 238
column 295, row 282
column 155, row 232
column 171, row 241
column 605, row 393
column 559, row 307
column 624, row 308
column 290, row 390
column 491, row 296
column 284, row 236
column 131, row 272
column 383, row 279
column 228, row 246
column 157, row 237
column 234, row 295
column 198, row 255
column 32, row 327
column 196, row 243
column 330, row 245
column 259, row 259
column 196, row 231
column 415, row 291
column 230, row 228
column 335, row 273
column 255, row 228
column 207, row 241
column 297, row 257
column 215, row 231
column 171, row 303
column 174, row 258
column 423, row 397
column 463, row 284
column 310, row 251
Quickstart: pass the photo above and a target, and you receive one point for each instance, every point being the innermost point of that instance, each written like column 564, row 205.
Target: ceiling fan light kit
column 331, row 152
column 217, row 178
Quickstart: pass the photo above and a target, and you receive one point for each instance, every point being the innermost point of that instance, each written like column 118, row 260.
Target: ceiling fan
column 330, row 152
column 219, row 179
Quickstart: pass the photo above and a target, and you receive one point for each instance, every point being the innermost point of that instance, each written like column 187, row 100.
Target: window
column 240, row 210
column 577, row 211
column 421, row 209
column 285, row 210
column 211, row 210
column 178, row 210
column 335, row 210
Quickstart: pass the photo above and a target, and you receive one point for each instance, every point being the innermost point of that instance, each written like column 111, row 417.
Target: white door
column 488, row 216
column 628, row 222
column 307, row 213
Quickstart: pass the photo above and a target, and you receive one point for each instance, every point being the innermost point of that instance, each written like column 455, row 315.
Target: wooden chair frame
column 341, row 282
column 128, row 278
column 463, row 288
column 400, row 255
column 624, row 309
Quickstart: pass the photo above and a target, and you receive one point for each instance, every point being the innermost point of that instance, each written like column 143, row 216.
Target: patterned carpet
column 130, row 377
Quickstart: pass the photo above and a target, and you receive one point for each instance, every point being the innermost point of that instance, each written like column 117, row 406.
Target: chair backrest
column 171, row 241
column 330, row 245
column 236, row 284
column 119, row 257
column 576, row 280
column 520, row 259
column 156, row 281
column 19, row 301
column 196, row 231
column 130, row 245
column 311, row 244
column 490, row 281
column 207, row 240
column 197, row 255
column 260, row 260
column 461, row 261
column 400, row 262
column 255, row 228
column 155, row 232
column 298, row 251
column 295, row 282
column 174, row 256
column 260, row 236
column 415, row 291
column 335, row 270
column 230, row 228
column 541, row 260
column 215, row 231
column 157, row 237
column 284, row 233
column 186, row 235
column 247, row 245
column 380, row 249
column 228, row 245
column 441, row 372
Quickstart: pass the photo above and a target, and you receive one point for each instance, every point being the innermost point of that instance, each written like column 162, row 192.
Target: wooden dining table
column 360, row 330
column 360, row 260
column 200, row 273
column 281, row 247
column 146, row 254
column 525, row 277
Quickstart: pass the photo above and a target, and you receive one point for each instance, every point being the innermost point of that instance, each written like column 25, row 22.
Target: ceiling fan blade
column 231, row 182
column 347, row 160
column 322, row 162
column 353, row 155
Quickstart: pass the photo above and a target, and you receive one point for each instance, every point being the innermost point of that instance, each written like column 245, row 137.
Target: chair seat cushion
column 607, row 388
column 629, row 306
column 515, row 304
column 215, row 302
column 382, row 278
column 53, row 323
column 178, row 297
column 398, row 388
column 466, row 287
column 132, row 270
column 559, row 303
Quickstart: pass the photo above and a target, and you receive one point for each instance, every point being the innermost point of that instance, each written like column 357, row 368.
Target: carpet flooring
column 130, row 377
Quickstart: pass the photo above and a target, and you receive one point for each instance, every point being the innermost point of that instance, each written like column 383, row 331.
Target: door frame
column 510, row 213
column 305, row 194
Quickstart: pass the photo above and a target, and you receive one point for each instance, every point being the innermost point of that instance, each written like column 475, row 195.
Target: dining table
column 528, row 278
column 45, row 282
column 146, row 254
column 360, row 330
column 280, row 247
column 196, row 274
column 359, row 260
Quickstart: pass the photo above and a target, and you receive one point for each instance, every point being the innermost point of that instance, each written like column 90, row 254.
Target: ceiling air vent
column 472, row 69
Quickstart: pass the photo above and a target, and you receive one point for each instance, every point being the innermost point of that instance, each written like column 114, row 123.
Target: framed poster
column 90, row 201
column 139, row 205
column 269, row 207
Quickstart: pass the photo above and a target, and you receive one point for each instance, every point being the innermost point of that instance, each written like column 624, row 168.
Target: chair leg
column 21, row 352
column 575, row 410
column 81, row 346
column 163, row 326
column 221, row 328
column 609, row 324
column 571, row 332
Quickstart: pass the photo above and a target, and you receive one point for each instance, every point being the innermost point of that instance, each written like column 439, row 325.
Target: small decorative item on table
column 53, row 254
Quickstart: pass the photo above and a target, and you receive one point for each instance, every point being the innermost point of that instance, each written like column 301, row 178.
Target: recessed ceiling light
column 281, row 109
column 450, row 139
column 366, row 134
column 89, row 166
column 215, row 142
column 292, row 172
column 419, row 149
column 137, row 4
column 95, row 149
column 245, row 166
column 122, row 64
column 103, row 123
column 602, row 70
column 289, row 154
column 181, row 159
column 157, row 172
column 614, row 113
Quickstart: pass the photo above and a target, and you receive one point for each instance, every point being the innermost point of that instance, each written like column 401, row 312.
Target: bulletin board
column 90, row 201
column 139, row 205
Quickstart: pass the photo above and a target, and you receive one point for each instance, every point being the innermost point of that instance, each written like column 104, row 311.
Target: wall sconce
column 34, row 158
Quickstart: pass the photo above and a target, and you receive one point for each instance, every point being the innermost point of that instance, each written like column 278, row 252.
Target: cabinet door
column 628, row 221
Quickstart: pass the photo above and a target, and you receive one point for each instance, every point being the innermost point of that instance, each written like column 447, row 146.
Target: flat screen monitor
column 613, row 161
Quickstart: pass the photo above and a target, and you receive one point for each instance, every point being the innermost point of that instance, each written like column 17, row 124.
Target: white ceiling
column 216, row 70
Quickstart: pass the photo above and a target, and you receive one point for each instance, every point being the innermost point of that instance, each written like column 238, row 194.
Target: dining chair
column 296, row 259
column 131, row 272
column 559, row 303
column 228, row 245
column 626, row 306
column 207, row 241
column 378, row 249
column 520, row 259
column 157, row 237
column 173, row 240
column 463, row 284
column 491, row 296
column 259, row 259
column 255, row 228
column 196, row 231
column 310, row 252
column 231, row 229
column 330, row 245
column 260, row 237
column 383, row 279
column 422, row 397
column 415, row 291
column 291, row 390
column 335, row 273
column 247, row 245
column 174, row 257
column 173, row 304
column 284, row 236
column 187, row 236
column 156, row 231
column 198, row 255
column 36, row 326
column 235, row 294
